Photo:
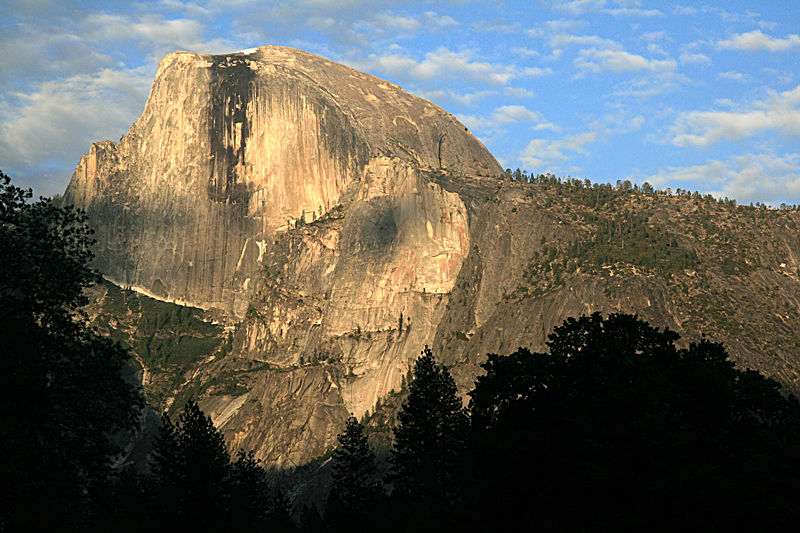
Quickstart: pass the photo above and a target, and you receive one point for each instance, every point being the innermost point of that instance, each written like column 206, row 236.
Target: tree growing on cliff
column 63, row 396
column 427, row 456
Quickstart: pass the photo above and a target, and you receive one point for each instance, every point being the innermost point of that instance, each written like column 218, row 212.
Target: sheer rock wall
column 295, row 195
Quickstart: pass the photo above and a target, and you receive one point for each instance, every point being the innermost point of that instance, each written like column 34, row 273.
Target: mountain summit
column 233, row 149
column 344, row 224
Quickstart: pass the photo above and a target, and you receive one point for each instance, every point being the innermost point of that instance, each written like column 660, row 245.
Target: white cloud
column 594, row 60
column 465, row 99
column 733, row 75
column 443, row 64
column 564, row 39
column 397, row 22
column 525, row 52
column 653, row 36
column 756, row 40
column 542, row 153
column 518, row 92
column 507, row 114
column 697, row 59
column 548, row 154
column 58, row 120
column 648, row 86
column 189, row 8
column 778, row 112
column 684, row 10
column 389, row 22
column 654, row 48
column 623, row 8
column 535, row 72
column 560, row 33
column 634, row 12
column 579, row 7
column 157, row 35
column 763, row 177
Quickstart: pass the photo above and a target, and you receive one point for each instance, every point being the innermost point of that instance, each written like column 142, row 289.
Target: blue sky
column 700, row 96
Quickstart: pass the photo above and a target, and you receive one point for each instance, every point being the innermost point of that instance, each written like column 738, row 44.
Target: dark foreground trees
column 355, row 493
column 428, row 454
column 63, row 395
column 615, row 427
column 194, row 486
column 430, row 439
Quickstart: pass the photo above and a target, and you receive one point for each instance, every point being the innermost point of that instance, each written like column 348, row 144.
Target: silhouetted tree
column 248, row 494
column 615, row 427
column 429, row 444
column 194, row 485
column 354, row 492
column 190, row 467
column 63, row 396
column 279, row 517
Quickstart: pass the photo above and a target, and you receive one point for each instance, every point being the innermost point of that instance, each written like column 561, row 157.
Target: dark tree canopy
column 355, row 491
column 429, row 441
column 194, row 485
column 189, row 471
column 616, row 427
column 63, row 396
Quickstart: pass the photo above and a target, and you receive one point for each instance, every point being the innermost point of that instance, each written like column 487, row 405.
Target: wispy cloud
column 507, row 114
column 757, row 40
column 398, row 25
column 734, row 76
column 541, row 153
column 616, row 8
column 763, row 177
column 634, row 12
column 594, row 60
column 694, row 58
column 154, row 30
column 684, row 10
column 444, row 64
column 58, row 120
column 779, row 112
column 548, row 154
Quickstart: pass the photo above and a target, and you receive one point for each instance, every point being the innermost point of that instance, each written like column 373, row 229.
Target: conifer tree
column 189, row 472
column 248, row 494
column 430, row 439
column 64, row 396
column 354, row 489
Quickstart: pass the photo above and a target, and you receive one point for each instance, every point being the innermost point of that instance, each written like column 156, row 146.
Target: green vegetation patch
column 625, row 238
column 163, row 334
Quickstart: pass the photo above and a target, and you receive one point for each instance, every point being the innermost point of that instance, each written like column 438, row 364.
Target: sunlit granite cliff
column 336, row 224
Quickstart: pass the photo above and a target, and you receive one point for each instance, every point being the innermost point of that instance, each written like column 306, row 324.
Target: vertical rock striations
column 344, row 224
column 231, row 150
column 295, row 194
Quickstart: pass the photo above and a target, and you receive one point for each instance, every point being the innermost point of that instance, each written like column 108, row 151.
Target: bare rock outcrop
column 343, row 224
column 233, row 149
column 294, row 194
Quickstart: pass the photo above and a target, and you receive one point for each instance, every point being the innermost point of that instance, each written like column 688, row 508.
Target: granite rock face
column 233, row 149
column 293, row 194
column 341, row 224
